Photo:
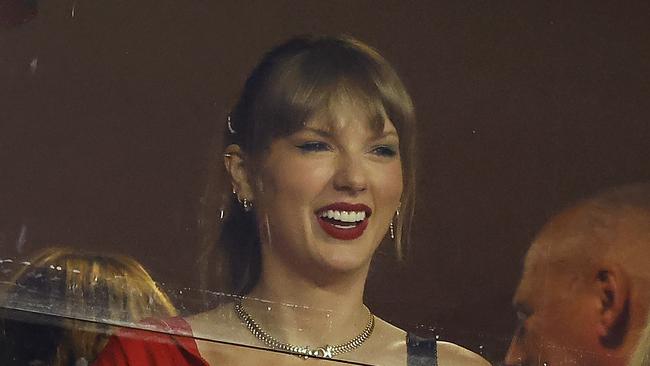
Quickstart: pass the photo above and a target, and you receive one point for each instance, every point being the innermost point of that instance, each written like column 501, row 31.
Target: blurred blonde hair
column 94, row 291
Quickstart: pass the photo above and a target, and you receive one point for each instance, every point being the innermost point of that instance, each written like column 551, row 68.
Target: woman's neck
column 296, row 309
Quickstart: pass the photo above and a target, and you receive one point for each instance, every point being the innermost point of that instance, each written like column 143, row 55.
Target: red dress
column 166, row 342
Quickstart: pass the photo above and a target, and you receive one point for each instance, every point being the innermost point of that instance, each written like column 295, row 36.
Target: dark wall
column 107, row 108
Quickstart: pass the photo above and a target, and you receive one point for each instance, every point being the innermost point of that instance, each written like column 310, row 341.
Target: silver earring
column 392, row 224
column 248, row 205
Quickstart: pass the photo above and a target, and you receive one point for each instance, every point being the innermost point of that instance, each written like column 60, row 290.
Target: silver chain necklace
column 326, row 351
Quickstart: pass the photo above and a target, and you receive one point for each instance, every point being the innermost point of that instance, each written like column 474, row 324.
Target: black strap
column 421, row 351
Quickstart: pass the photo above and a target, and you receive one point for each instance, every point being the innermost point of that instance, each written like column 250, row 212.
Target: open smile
column 344, row 221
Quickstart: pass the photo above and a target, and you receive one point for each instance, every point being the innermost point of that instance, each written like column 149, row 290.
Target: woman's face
column 327, row 193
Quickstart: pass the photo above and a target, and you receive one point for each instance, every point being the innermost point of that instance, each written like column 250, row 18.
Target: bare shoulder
column 389, row 331
column 386, row 346
column 450, row 354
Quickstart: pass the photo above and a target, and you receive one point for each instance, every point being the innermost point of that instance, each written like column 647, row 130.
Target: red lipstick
column 344, row 221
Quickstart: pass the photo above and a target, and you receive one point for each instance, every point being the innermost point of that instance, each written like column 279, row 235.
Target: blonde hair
column 89, row 291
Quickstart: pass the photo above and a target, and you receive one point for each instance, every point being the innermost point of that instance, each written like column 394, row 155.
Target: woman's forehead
column 351, row 114
column 336, row 126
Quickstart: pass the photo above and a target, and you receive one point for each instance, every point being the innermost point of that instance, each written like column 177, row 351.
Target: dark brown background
column 523, row 107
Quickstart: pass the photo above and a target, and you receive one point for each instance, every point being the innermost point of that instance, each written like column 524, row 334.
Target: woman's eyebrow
column 329, row 134
column 385, row 134
column 389, row 133
column 319, row 131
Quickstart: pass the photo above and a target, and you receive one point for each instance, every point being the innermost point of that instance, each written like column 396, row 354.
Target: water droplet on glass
column 33, row 65
column 22, row 237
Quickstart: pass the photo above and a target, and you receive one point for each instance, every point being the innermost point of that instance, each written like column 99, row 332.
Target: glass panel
column 124, row 214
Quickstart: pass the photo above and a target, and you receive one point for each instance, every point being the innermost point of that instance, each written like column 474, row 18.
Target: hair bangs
column 321, row 80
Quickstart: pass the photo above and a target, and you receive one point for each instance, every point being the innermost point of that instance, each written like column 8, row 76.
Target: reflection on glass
column 58, row 305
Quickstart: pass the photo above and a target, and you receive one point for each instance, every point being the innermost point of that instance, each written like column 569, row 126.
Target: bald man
column 585, row 289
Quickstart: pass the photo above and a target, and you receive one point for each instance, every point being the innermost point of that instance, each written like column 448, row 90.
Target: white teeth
column 344, row 226
column 344, row 216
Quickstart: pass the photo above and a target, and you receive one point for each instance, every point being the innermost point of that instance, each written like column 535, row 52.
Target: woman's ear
column 235, row 161
column 614, row 290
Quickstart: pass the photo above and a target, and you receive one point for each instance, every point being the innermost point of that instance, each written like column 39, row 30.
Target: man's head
column 585, row 287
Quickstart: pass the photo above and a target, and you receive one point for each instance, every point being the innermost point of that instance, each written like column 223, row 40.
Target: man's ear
column 613, row 286
column 235, row 161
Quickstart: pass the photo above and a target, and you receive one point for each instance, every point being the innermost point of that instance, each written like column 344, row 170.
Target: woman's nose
column 350, row 175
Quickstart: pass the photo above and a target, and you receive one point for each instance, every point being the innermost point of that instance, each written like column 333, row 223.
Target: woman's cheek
column 309, row 175
column 391, row 182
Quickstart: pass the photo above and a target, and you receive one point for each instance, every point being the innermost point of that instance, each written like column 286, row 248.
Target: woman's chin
column 345, row 260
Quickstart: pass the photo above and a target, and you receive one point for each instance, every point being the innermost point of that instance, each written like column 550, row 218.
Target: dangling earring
column 392, row 225
column 248, row 205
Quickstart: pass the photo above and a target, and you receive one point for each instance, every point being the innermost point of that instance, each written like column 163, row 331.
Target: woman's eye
column 386, row 151
column 314, row 146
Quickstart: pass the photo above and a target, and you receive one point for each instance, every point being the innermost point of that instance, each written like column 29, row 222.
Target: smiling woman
column 320, row 155
column 306, row 96
column 343, row 170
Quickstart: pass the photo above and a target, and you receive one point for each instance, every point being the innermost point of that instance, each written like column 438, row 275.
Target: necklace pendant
column 325, row 352
column 322, row 352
